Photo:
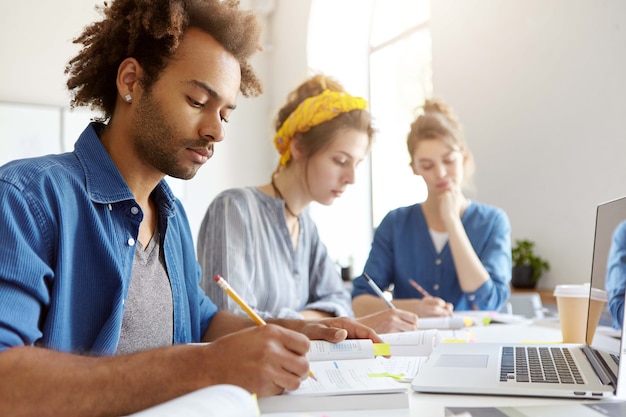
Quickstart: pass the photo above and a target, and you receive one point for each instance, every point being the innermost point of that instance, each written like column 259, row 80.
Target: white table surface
column 433, row 405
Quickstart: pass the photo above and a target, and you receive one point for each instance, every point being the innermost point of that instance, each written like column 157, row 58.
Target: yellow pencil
column 253, row 315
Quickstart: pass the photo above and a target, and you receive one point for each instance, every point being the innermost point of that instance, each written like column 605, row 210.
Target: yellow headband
column 312, row 112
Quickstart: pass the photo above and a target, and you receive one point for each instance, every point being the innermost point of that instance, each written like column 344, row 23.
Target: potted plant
column 527, row 266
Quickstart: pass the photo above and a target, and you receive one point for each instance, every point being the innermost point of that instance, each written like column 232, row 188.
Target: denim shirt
column 403, row 249
column 616, row 275
column 68, row 227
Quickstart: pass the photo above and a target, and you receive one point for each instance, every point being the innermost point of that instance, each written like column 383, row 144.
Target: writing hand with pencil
column 391, row 320
column 430, row 306
column 261, row 357
column 244, row 306
column 265, row 360
column 278, row 347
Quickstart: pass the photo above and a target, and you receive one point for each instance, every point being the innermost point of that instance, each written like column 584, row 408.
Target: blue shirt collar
column 104, row 182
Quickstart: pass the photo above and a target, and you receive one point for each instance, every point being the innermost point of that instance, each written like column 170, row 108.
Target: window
column 400, row 61
column 380, row 50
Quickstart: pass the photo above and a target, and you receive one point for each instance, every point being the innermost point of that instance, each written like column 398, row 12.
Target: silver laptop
column 570, row 370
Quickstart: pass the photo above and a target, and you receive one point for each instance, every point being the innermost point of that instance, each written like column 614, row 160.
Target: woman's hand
column 390, row 321
column 426, row 307
column 452, row 203
column 333, row 329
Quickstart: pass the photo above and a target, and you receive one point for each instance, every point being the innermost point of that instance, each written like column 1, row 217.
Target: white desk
column 432, row 405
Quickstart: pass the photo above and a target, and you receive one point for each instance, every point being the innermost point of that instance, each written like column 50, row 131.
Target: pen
column 377, row 290
column 253, row 315
column 419, row 288
column 422, row 291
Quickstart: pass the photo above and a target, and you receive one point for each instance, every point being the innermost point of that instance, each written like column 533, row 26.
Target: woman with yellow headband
column 263, row 240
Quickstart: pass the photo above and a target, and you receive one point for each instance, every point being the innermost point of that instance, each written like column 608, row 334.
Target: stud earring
column 128, row 98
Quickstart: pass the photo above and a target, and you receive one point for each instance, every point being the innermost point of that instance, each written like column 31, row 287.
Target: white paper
column 347, row 377
column 214, row 401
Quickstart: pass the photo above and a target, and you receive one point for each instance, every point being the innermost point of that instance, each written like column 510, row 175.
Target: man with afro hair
column 101, row 310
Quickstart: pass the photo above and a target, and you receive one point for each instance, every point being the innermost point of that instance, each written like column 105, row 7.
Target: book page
column 321, row 350
column 485, row 317
column 415, row 343
column 404, row 368
column 214, row 401
column 357, row 376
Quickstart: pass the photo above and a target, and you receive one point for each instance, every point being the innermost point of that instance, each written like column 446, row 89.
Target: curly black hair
column 150, row 31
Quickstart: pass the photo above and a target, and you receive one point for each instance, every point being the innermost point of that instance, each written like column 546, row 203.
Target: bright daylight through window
column 380, row 50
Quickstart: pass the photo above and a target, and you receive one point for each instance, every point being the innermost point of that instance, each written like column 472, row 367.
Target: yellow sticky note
column 256, row 402
column 398, row 377
column 382, row 349
column 454, row 341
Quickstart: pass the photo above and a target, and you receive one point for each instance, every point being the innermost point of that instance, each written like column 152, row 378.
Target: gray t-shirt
column 148, row 309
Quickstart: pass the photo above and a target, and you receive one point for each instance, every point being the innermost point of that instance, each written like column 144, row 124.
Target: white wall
column 36, row 44
column 540, row 88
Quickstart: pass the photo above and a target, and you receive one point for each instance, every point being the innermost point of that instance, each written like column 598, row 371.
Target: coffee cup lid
column 598, row 294
column 582, row 290
column 572, row 290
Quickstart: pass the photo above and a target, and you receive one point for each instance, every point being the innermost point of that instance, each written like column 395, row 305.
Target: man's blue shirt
column 68, row 227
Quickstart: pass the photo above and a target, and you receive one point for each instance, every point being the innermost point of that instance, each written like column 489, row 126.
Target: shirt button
column 131, row 241
column 436, row 287
column 438, row 262
column 134, row 210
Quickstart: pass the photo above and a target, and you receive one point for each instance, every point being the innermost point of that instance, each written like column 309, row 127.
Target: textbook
column 344, row 384
column 354, row 374
column 214, row 401
column 595, row 409
column 414, row 343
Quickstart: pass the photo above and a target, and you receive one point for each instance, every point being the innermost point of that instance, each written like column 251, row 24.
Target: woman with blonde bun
column 448, row 252
column 263, row 239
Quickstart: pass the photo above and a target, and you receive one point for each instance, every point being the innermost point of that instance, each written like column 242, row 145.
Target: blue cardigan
column 403, row 250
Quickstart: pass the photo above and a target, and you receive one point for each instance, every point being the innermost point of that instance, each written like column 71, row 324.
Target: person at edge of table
column 449, row 252
column 99, row 282
column 616, row 275
column 263, row 239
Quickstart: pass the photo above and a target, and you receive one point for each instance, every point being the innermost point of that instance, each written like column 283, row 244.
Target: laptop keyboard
column 539, row 364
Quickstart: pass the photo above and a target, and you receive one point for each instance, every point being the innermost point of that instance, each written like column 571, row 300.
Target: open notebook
column 491, row 368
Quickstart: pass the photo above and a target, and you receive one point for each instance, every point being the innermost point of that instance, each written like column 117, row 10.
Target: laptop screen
column 608, row 271
column 610, row 226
